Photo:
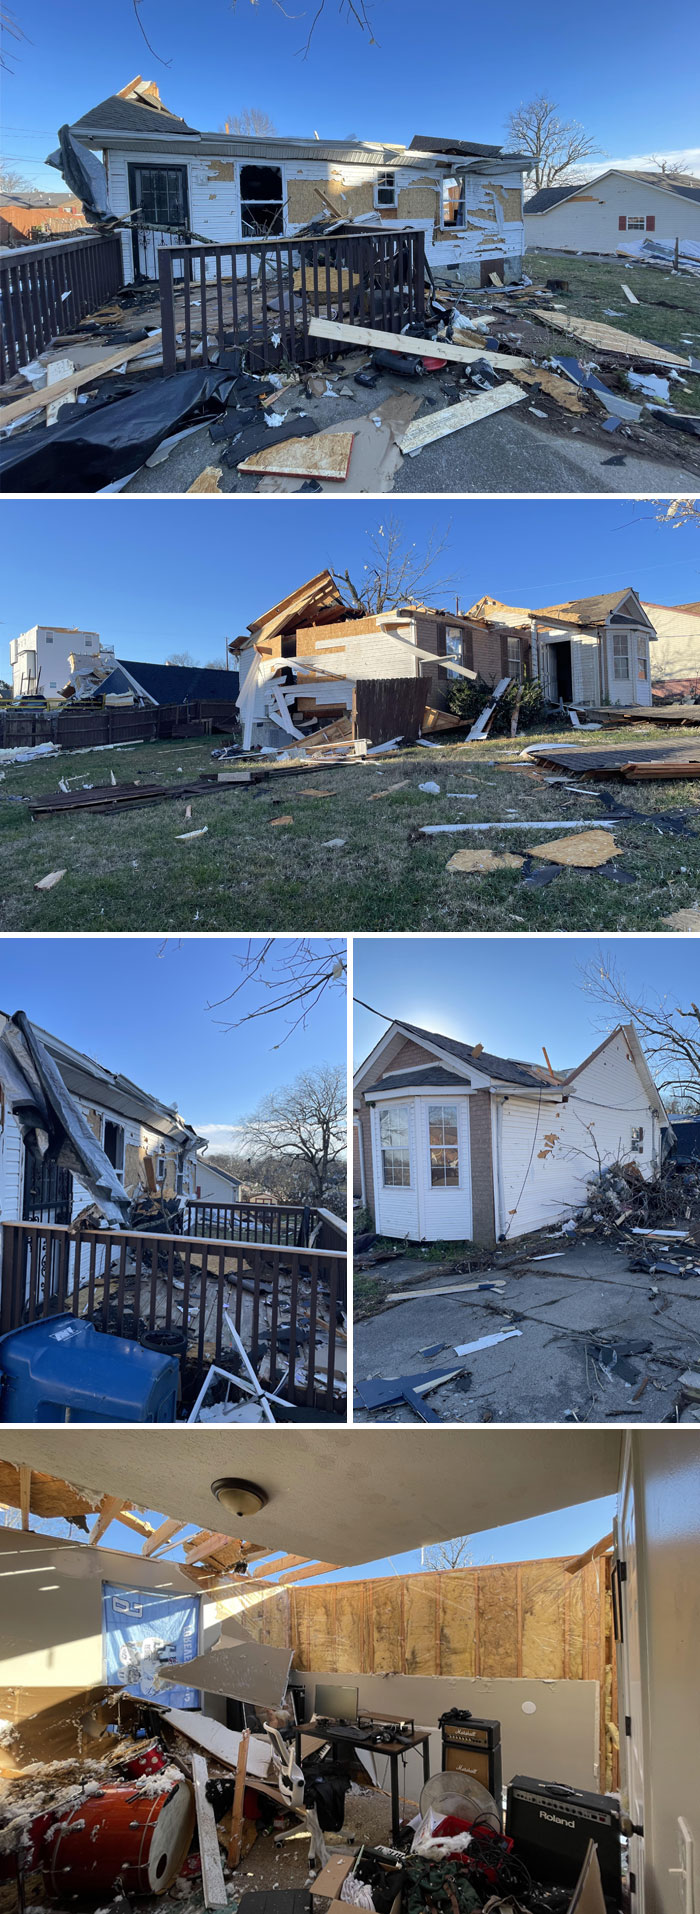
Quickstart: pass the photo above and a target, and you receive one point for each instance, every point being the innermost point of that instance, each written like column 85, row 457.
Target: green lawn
column 668, row 313
column 128, row 872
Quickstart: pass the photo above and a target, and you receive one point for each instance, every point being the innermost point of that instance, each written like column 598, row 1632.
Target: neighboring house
column 31, row 217
column 40, row 658
column 130, row 1125
column 458, row 1145
column 168, row 684
column 677, row 649
column 214, row 1185
column 590, row 651
column 597, row 215
column 467, row 198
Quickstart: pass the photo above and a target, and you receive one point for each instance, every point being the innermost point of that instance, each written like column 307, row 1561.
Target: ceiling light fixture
column 239, row 1498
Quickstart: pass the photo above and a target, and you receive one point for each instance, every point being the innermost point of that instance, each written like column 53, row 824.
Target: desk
column 344, row 1735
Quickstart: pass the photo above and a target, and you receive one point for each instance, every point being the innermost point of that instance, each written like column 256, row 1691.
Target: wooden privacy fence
column 386, row 708
column 261, row 294
column 131, row 1283
column 81, row 727
column 46, row 290
column 520, row 1619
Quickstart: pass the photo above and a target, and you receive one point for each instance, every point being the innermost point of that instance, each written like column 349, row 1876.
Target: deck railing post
column 166, row 287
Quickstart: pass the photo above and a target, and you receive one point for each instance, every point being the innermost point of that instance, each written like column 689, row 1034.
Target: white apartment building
column 40, row 657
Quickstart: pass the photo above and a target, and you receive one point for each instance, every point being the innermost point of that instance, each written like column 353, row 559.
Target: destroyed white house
column 454, row 1144
column 177, row 182
column 302, row 662
column 42, row 658
column 617, row 211
column 577, row 1672
column 121, row 1287
column 62, row 664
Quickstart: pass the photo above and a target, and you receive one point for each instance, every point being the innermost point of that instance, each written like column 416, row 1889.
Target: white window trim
column 445, row 1188
column 385, row 205
column 393, row 1147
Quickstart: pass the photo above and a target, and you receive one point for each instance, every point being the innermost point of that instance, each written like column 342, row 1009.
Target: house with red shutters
column 617, row 209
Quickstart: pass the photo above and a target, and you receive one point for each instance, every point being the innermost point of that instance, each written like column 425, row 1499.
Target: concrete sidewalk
column 563, row 1309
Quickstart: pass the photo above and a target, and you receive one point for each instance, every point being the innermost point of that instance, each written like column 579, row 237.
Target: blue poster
column 145, row 1632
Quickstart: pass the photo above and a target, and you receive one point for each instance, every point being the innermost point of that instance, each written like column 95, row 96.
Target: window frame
column 636, row 223
column 387, row 1113
column 380, row 186
column 454, row 632
column 621, row 638
column 119, row 1131
column 436, row 1150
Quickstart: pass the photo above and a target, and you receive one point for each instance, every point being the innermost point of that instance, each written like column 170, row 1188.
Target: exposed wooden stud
column 213, row 1884
column 236, row 1841
column 110, row 1508
column 162, row 1535
column 25, row 1492
column 590, row 1555
column 202, row 1547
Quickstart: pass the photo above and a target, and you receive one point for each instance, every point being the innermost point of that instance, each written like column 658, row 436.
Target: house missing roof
column 180, row 182
column 459, row 1145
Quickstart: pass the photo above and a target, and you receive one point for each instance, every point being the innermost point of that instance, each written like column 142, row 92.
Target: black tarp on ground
column 109, row 442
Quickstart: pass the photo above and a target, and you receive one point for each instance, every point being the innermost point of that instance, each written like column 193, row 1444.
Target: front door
column 158, row 197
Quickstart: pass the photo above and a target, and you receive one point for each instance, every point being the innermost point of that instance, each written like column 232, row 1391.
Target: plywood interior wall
column 519, row 1619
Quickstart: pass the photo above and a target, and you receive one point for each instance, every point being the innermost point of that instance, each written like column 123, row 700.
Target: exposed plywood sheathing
column 525, row 1619
column 418, row 201
column 611, row 339
column 220, row 169
column 325, row 456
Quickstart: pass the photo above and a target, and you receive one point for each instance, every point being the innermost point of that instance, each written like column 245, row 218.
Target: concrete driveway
column 564, row 1309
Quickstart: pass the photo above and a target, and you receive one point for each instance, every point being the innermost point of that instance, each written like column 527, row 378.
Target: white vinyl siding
column 546, row 1158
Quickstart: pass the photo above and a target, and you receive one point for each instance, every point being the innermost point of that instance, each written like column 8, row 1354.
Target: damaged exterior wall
column 493, row 226
column 518, row 1620
column 365, row 648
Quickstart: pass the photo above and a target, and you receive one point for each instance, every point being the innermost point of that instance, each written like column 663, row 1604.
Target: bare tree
column 454, row 1554
column 181, row 658
column 252, row 122
column 671, row 169
column 291, row 974
column 9, row 30
column 349, row 10
column 12, row 183
column 669, row 1033
column 397, row 572
column 556, row 146
column 305, row 1124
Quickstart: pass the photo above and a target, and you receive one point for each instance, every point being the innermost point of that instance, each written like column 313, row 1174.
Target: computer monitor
column 335, row 1703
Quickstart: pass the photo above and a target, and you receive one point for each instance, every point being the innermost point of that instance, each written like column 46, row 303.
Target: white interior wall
column 548, row 1728
column 666, row 1477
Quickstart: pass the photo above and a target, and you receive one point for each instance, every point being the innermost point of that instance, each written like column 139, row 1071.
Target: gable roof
column 549, row 196
column 83, row 1076
column 171, row 684
column 506, row 1069
column 434, row 1077
column 576, row 611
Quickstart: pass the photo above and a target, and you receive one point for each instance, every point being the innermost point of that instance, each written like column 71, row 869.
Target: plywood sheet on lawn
column 325, row 456
column 559, row 1739
column 484, row 861
column 610, row 338
column 583, row 850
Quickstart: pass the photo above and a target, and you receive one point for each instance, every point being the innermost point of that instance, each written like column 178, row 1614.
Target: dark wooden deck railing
column 261, row 294
column 132, row 1283
column 295, row 1224
column 46, row 290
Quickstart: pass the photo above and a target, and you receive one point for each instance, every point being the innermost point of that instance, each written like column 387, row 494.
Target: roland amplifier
column 472, row 1746
column 551, row 1827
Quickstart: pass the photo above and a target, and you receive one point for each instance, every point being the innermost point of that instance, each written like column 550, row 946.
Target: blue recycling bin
column 64, row 1370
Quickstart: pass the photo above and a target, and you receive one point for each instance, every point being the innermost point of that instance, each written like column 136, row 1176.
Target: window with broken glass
column 262, row 204
column 386, row 189
column 453, row 201
column 395, row 1147
column 621, row 655
column 444, row 1145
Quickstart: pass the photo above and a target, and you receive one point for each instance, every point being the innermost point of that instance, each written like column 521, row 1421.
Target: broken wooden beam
column 343, row 334
column 87, row 375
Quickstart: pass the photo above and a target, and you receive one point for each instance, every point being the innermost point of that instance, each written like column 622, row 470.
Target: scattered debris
column 591, row 848
column 484, row 861
column 47, row 883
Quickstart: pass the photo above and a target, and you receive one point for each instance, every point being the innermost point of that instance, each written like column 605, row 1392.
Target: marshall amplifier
column 551, row 1827
column 472, row 1746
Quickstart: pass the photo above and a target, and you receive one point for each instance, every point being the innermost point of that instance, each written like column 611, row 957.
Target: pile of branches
column 620, row 1195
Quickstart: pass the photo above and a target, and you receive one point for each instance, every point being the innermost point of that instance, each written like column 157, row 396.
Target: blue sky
column 565, row 1532
column 512, row 994
column 446, row 72
column 188, row 589
column 139, row 1006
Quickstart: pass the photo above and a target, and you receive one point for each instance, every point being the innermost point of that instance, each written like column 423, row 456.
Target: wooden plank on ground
column 439, row 425
column 482, row 724
column 38, row 401
column 325, row 456
column 400, row 342
column 213, row 1883
column 611, row 339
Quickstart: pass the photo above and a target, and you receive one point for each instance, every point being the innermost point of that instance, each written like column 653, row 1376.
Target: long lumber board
column 38, row 401
column 421, row 348
column 440, row 425
column 611, row 339
column 116, row 797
